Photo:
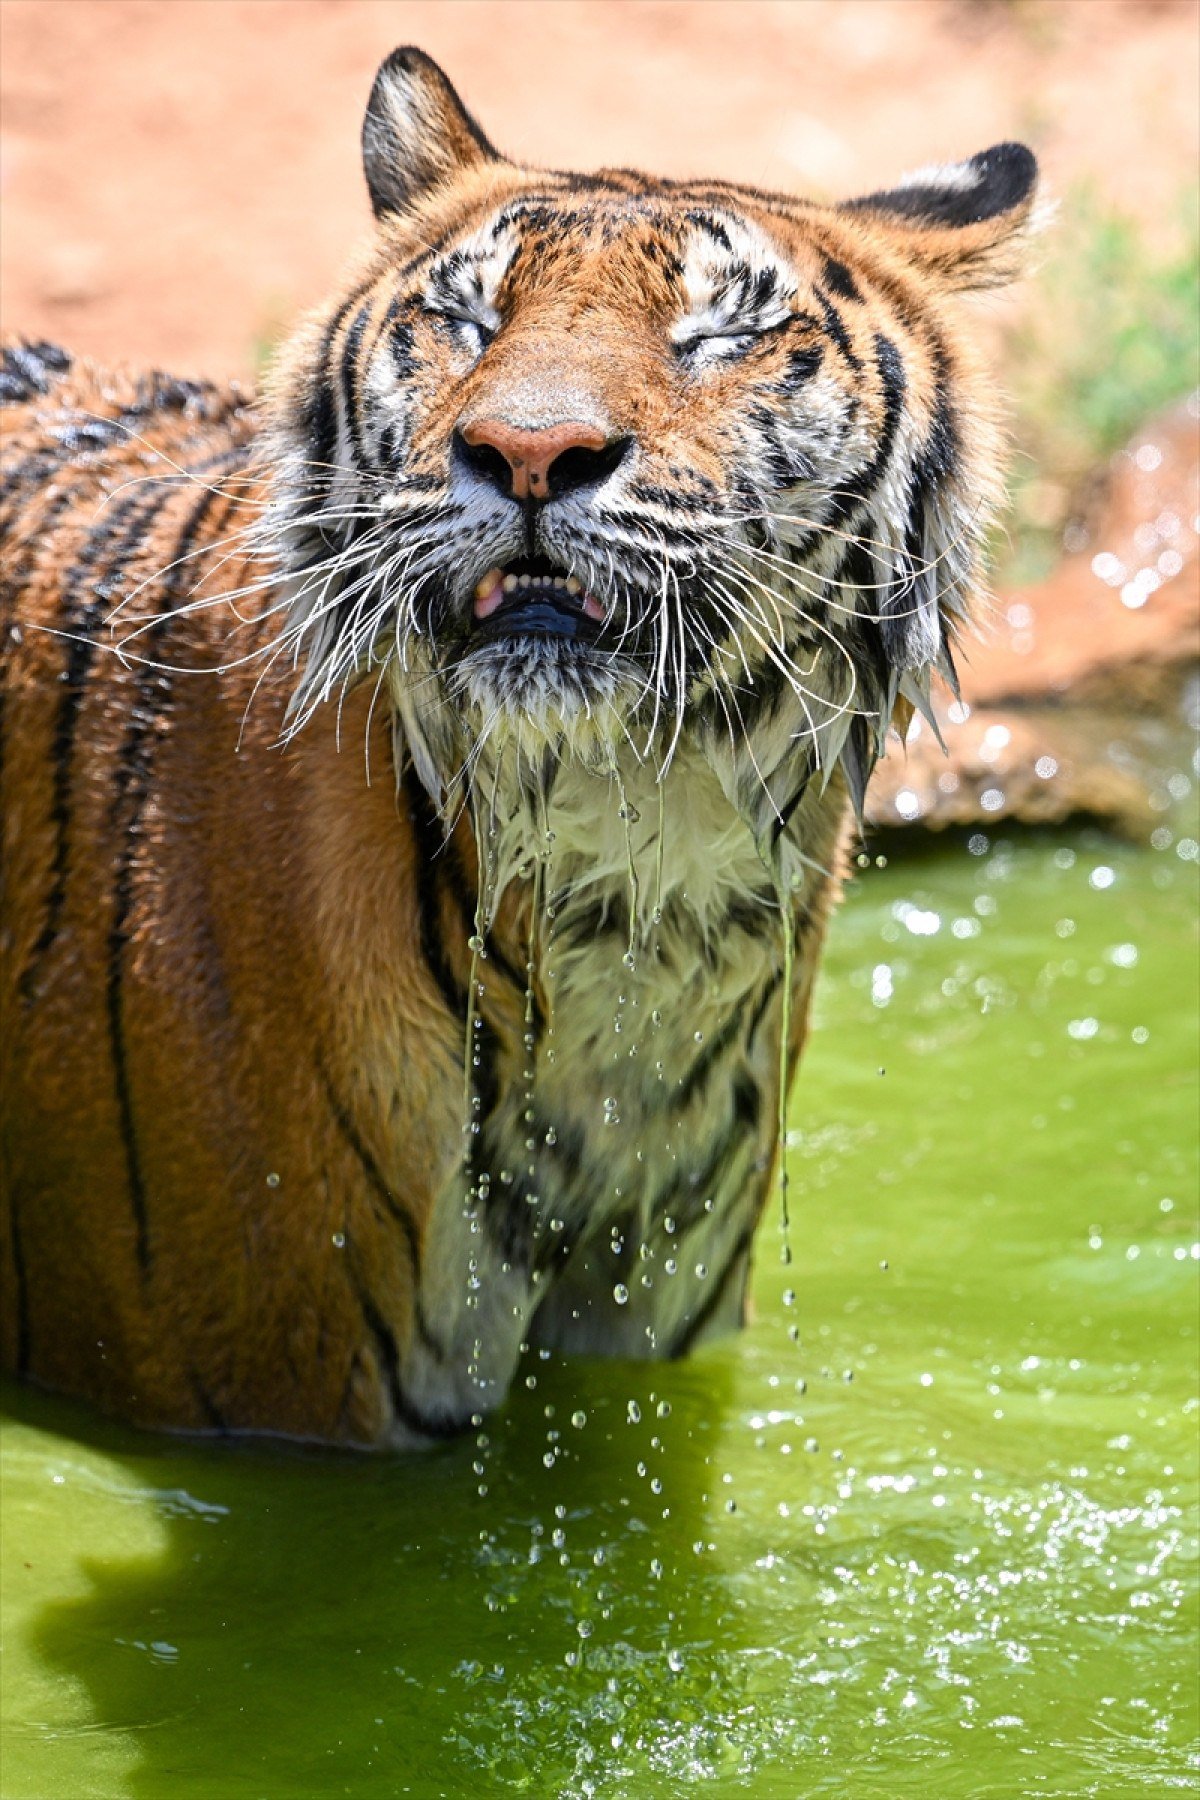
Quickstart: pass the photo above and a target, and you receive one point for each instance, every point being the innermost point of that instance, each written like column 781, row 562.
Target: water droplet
column 675, row 1661
column 551, row 1136
column 610, row 1112
column 620, row 1293
column 579, row 1420
column 338, row 1240
column 475, row 943
column 701, row 1271
column 663, row 1409
column 656, row 1017
column 548, row 1459
column 697, row 1037
column 633, row 1412
column 272, row 1180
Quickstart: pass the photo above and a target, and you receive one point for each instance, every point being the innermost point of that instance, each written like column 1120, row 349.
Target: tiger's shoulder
column 62, row 412
column 101, row 471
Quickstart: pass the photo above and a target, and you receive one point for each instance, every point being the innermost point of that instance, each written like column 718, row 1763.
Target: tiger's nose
column 536, row 465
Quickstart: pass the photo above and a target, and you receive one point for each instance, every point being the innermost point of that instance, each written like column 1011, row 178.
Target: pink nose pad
column 531, row 454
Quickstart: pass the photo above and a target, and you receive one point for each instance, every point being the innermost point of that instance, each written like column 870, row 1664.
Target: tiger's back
column 163, row 972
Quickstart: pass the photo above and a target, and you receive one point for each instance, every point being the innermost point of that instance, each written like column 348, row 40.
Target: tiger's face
column 592, row 465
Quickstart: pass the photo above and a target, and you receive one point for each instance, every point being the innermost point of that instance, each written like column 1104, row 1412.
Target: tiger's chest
column 619, row 1156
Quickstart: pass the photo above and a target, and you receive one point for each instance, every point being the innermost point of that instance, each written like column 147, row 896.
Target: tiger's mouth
column 530, row 597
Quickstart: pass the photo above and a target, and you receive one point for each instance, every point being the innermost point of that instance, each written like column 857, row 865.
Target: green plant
column 1112, row 334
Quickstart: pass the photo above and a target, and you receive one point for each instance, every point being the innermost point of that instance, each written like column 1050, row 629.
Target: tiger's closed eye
column 473, row 333
column 703, row 347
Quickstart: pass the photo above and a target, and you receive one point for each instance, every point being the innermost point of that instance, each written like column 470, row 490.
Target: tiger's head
column 593, row 465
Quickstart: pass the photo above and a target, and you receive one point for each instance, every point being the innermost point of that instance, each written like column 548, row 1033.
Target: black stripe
column 83, row 622
column 379, row 1186
column 208, row 1405
column 348, row 360
column 893, row 385
column 802, row 365
column 760, row 699
column 835, row 327
column 430, row 845
column 388, row 1357
column 318, row 410
column 713, row 1051
column 839, row 278
column 37, row 467
column 463, row 891
column 780, row 825
column 320, row 422
column 747, row 1101
column 10, row 591
column 27, row 369
column 770, row 987
column 685, row 1193
column 695, row 1325
column 151, row 700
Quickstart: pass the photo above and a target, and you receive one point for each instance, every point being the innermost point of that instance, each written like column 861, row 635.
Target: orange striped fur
column 504, row 681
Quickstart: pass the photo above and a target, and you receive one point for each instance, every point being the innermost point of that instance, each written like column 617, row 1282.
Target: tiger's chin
column 542, row 693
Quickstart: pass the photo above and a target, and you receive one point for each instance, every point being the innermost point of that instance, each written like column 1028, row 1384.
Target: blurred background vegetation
column 1109, row 336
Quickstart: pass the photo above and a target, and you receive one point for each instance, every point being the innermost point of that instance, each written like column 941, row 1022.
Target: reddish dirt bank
column 1075, row 702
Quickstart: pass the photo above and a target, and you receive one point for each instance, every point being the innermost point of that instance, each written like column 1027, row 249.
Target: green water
column 942, row 1545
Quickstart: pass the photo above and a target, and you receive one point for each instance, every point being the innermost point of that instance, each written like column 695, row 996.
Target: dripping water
column 788, row 924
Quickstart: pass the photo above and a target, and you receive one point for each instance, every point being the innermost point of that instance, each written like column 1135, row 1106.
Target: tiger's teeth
column 489, row 592
column 573, row 587
column 510, row 584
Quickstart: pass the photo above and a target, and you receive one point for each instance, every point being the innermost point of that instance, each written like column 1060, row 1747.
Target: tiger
column 426, row 783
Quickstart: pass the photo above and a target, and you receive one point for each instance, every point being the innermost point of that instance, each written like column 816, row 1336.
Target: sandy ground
column 180, row 176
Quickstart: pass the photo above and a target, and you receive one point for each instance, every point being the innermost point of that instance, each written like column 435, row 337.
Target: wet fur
column 252, row 916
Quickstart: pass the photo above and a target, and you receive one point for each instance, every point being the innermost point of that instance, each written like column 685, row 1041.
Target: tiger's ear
column 416, row 133
column 965, row 221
